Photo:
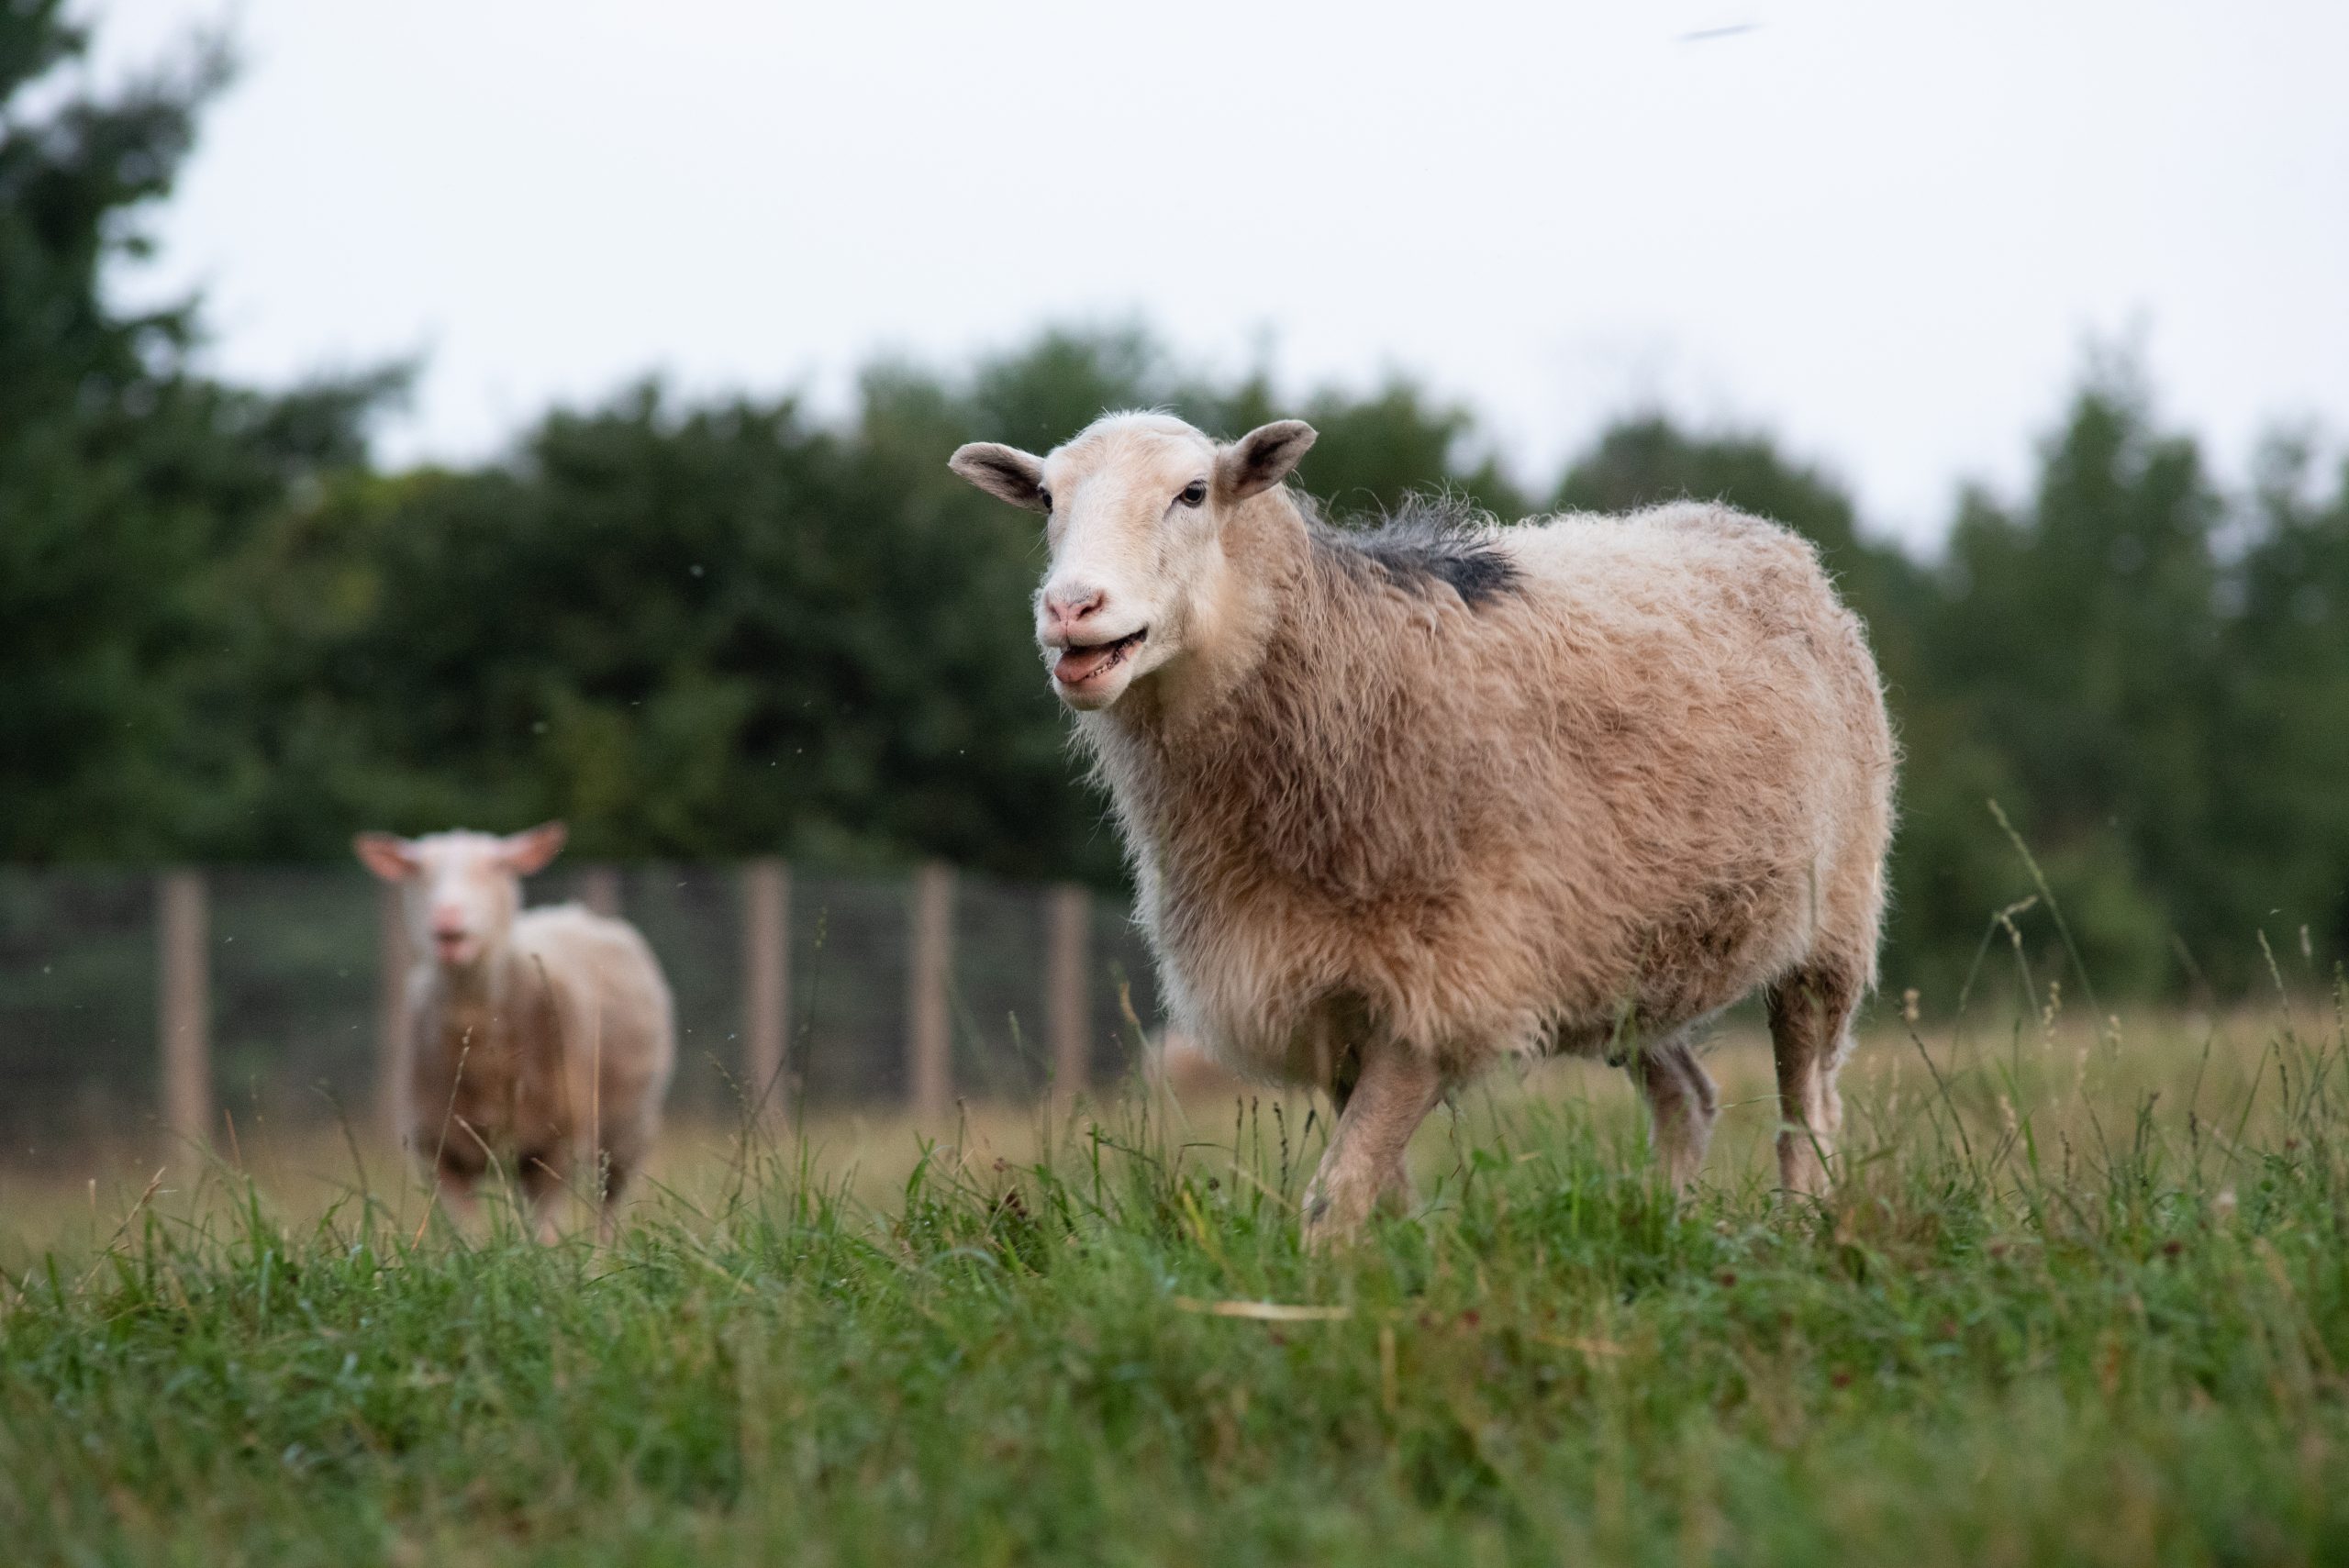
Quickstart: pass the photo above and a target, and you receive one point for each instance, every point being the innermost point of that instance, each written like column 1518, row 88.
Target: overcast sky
column 1884, row 231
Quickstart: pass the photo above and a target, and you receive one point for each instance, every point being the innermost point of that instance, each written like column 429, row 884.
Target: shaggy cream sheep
column 537, row 1040
column 1401, row 802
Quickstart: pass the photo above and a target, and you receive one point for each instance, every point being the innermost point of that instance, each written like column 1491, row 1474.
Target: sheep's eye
column 1045, row 497
column 1195, row 494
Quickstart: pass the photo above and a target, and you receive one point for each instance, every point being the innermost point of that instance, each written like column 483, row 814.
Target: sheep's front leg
column 1392, row 1092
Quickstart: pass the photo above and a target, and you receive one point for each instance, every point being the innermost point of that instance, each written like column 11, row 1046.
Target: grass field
column 2082, row 1297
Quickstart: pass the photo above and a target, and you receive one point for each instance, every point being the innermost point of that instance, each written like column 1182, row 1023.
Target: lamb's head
column 462, row 890
column 1136, row 509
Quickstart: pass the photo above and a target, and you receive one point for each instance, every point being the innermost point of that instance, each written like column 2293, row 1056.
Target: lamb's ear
column 1004, row 472
column 386, row 854
column 1262, row 457
column 530, row 849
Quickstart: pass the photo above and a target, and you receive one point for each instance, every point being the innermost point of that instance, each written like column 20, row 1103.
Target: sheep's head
column 1135, row 509
column 462, row 890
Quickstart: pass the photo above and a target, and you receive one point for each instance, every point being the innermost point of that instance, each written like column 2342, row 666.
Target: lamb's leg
column 1811, row 1017
column 1681, row 1106
column 541, row 1179
column 454, row 1181
column 1389, row 1096
column 617, row 1168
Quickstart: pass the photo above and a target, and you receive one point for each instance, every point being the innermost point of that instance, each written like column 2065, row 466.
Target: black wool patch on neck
column 1428, row 541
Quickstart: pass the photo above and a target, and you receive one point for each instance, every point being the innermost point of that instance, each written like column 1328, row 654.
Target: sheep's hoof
column 1316, row 1228
column 1324, row 1240
column 1325, row 1230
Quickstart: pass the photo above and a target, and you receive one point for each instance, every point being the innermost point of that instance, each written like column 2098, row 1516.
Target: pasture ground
column 2083, row 1297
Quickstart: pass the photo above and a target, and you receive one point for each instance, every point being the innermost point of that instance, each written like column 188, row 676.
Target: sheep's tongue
column 1080, row 664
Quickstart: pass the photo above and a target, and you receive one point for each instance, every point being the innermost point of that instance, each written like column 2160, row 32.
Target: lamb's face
column 461, row 890
column 1134, row 510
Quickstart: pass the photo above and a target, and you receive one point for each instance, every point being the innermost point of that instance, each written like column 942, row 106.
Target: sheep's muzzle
column 1075, row 666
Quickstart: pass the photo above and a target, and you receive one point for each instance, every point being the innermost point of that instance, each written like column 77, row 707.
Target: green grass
column 2081, row 1299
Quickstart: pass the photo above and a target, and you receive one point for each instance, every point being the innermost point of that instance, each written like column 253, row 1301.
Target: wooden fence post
column 766, row 986
column 600, row 889
column 184, row 1006
column 392, row 960
column 930, row 962
column 1067, row 965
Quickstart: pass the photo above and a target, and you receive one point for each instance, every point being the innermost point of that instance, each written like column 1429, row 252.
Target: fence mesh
column 77, row 1009
column 296, row 978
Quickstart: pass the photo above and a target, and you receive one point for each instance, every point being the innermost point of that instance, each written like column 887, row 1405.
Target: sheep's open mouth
column 1077, row 665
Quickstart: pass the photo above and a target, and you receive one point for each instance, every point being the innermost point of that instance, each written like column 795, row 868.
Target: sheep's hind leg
column 1681, row 1105
column 1810, row 1018
column 1383, row 1105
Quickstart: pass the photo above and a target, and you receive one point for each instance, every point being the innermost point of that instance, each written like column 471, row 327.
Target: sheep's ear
column 1262, row 457
column 530, row 849
column 1004, row 472
column 386, row 854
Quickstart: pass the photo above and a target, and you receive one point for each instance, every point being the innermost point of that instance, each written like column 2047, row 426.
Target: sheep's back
column 1698, row 644
column 1707, row 707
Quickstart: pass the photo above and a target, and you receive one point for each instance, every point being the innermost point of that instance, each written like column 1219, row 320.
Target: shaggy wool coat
column 1558, row 787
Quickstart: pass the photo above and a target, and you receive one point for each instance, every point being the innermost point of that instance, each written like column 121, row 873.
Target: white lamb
column 537, row 1040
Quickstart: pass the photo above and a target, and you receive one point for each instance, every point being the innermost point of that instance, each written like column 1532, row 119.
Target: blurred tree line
column 716, row 628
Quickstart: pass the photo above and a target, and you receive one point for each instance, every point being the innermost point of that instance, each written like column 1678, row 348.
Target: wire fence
column 139, row 1006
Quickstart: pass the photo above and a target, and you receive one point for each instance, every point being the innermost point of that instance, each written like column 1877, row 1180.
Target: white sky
column 1884, row 231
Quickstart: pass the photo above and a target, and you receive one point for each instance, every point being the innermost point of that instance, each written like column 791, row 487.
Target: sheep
column 1402, row 802
column 534, row 1038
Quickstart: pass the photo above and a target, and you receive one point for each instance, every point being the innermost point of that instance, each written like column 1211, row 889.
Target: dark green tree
column 2280, row 747
column 2078, row 637
column 123, row 477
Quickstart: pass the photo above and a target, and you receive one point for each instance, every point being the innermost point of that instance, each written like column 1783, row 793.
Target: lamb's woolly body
column 559, row 1043
column 1645, row 772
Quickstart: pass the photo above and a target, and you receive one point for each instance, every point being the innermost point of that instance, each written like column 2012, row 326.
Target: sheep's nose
column 448, row 921
column 1067, row 608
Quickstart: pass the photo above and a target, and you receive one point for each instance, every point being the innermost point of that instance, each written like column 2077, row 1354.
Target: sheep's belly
column 1293, row 1027
column 1289, row 1010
